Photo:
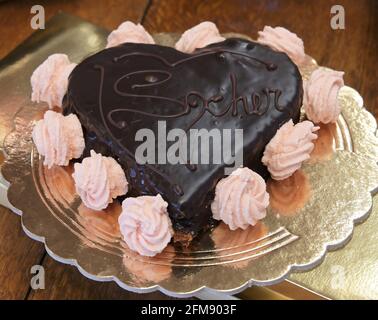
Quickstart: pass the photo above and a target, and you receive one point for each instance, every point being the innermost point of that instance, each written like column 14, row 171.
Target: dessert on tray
column 205, row 83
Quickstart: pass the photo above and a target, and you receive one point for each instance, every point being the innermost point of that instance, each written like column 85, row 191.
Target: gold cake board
column 349, row 273
column 282, row 291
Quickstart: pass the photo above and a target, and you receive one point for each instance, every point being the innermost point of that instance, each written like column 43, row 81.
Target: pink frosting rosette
column 58, row 138
column 145, row 225
column 129, row 32
column 291, row 145
column 240, row 199
column 199, row 36
column 98, row 180
column 50, row 80
column 281, row 39
column 320, row 95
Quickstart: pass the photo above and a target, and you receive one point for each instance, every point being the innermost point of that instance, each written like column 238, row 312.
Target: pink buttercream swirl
column 240, row 199
column 145, row 224
column 49, row 81
column 58, row 138
column 291, row 145
column 199, row 36
column 320, row 95
column 281, row 39
column 98, row 180
column 129, row 32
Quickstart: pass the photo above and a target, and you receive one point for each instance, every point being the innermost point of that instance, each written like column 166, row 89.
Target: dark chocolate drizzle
column 235, row 84
column 128, row 153
column 204, row 52
column 256, row 101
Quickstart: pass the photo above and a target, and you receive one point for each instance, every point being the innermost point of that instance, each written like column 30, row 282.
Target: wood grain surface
column 18, row 253
column 66, row 282
column 15, row 15
column 353, row 50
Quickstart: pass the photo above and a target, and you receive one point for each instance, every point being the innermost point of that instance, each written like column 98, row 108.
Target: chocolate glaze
column 232, row 84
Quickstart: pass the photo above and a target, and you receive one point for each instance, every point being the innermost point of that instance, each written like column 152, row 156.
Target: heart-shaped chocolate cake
column 234, row 84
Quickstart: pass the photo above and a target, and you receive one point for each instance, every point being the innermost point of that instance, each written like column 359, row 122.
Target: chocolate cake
column 234, row 84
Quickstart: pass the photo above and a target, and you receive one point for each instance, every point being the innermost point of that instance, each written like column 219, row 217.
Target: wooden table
column 353, row 50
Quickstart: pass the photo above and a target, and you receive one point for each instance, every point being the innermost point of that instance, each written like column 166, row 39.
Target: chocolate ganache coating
column 234, row 84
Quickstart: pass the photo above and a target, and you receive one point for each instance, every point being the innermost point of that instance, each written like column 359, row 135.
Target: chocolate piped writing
column 258, row 107
column 235, row 84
